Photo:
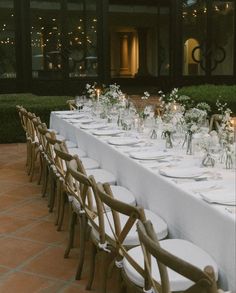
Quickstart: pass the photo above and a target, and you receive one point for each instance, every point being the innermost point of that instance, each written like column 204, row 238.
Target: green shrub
column 210, row 93
column 10, row 127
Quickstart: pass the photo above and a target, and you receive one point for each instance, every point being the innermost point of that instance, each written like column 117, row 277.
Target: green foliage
column 210, row 94
column 10, row 127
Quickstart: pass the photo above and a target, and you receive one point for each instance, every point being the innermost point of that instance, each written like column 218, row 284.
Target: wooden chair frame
column 204, row 281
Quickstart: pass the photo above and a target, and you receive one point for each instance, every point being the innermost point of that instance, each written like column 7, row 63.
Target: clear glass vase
column 189, row 142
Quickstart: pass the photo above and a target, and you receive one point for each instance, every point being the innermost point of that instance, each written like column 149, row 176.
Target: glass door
column 139, row 39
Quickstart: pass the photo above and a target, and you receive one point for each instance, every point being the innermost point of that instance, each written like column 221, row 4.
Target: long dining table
column 209, row 225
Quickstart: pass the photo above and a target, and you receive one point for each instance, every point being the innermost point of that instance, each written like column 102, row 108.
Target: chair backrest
column 153, row 101
column 204, row 281
column 117, row 207
column 22, row 112
column 51, row 140
column 42, row 130
column 71, row 104
column 62, row 159
column 89, row 200
column 215, row 122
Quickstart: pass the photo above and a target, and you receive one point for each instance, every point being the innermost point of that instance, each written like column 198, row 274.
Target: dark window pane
column 46, row 39
column 7, row 40
column 194, row 37
column 222, row 58
column 82, row 38
column 164, row 41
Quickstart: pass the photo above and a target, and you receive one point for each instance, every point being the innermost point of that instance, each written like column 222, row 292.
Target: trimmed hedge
column 11, row 130
column 10, row 127
column 210, row 93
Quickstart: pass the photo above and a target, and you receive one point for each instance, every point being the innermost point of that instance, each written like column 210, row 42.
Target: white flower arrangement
column 145, row 96
column 90, row 90
column 194, row 118
column 112, row 94
column 226, row 129
column 204, row 106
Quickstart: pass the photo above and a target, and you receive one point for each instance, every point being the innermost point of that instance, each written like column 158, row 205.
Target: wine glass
column 79, row 101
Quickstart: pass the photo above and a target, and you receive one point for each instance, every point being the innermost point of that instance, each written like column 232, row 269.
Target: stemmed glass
column 79, row 101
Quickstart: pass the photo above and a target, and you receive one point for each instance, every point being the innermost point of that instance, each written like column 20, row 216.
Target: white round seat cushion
column 178, row 247
column 132, row 237
column 102, row 175
column 77, row 151
column 123, row 194
column 89, row 163
column 69, row 143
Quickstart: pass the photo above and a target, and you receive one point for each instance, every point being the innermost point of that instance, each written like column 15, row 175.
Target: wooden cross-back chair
column 42, row 144
column 119, row 223
column 22, row 112
column 153, row 101
column 95, row 205
column 71, row 104
column 42, row 130
column 54, row 168
column 33, row 143
column 79, row 188
column 203, row 281
column 62, row 159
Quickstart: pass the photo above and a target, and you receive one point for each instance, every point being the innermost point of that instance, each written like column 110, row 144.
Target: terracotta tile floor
column 31, row 250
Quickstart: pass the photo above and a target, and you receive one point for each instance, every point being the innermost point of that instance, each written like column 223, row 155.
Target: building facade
column 57, row 46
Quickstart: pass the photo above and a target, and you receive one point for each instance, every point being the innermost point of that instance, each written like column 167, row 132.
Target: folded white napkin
column 220, row 196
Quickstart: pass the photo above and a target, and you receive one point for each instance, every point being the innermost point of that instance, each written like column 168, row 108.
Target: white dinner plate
column 181, row 172
column 85, row 120
column 148, row 155
column 107, row 132
column 119, row 141
column 93, row 126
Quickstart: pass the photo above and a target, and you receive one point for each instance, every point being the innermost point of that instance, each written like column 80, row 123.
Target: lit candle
column 233, row 123
column 98, row 94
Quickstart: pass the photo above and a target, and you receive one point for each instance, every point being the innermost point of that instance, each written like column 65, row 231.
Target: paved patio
column 31, row 250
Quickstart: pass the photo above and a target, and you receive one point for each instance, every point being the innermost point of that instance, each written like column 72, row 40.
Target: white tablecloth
column 189, row 217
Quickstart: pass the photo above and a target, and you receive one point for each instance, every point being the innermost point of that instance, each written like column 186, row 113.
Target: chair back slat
column 203, row 281
column 133, row 213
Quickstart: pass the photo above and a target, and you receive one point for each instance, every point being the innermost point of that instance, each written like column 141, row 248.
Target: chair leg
column 59, row 196
column 40, row 169
column 103, row 272
column 51, row 198
column 71, row 235
column 29, row 154
column 45, row 179
column 34, row 158
column 82, row 241
column 61, row 217
column 91, row 266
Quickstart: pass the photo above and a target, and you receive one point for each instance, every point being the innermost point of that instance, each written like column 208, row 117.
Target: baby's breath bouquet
column 193, row 120
column 112, row 95
column 144, row 111
column 90, row 90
